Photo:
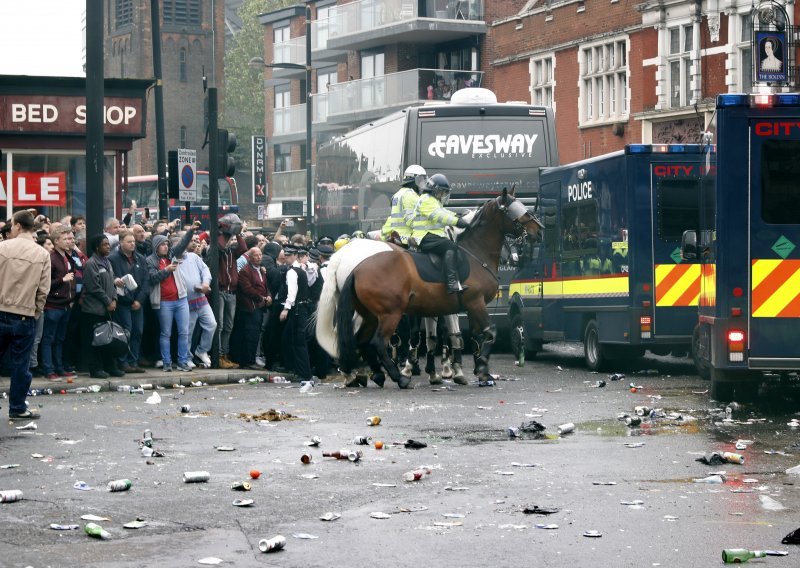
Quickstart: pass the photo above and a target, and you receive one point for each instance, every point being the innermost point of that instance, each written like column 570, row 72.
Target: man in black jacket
column 130, row 305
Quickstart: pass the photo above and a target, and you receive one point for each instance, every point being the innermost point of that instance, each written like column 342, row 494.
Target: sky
column 41, row 37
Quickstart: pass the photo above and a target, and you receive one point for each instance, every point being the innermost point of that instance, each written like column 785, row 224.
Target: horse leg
column 378, row 344
column 430, row 359
column 373, row 358
column 414, row 338
column 487, row 338
column 456, row 346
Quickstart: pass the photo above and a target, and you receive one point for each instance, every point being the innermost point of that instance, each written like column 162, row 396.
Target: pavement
column 155, row 377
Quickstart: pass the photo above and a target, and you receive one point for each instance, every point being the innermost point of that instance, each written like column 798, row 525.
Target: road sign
column 187, row 174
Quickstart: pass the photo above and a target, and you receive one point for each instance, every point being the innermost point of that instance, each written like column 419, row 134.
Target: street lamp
column 258, row 63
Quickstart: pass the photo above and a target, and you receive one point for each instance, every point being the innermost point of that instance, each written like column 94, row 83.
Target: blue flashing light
column 732, row 100
column 787, row 99
column 638, row 149
column 677, row 148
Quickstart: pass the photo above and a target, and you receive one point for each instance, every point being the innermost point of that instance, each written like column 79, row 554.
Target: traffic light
column 172, row 174
column 225, row 146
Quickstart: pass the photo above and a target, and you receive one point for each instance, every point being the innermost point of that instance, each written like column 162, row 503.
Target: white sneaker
column 191, row 364
column 261, row 362
column 203, row 357
column 159, row 364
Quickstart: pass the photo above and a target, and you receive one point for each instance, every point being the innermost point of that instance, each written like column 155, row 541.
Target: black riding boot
column 451, row 273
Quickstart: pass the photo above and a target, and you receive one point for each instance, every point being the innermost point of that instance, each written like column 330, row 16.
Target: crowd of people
column 153, row 279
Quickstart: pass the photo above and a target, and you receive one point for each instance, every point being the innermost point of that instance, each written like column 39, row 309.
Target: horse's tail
column 326, row 309
column 345, row 330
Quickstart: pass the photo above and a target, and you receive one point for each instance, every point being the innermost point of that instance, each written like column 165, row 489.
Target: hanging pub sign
column 773, row 57
column 771, row 63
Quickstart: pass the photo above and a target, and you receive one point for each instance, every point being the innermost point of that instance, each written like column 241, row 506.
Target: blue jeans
column 133, row 321
column 178, row 311
column 205, row 316
column 53, row 334
column 17, row 333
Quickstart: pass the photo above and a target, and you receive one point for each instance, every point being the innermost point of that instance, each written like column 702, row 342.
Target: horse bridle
column 516, row 211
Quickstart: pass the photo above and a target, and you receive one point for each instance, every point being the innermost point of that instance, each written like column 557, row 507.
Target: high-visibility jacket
column 402, row 213
column 431, row 217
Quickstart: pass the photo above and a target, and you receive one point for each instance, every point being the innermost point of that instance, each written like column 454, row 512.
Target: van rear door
column 774, row 243
column 678, row 184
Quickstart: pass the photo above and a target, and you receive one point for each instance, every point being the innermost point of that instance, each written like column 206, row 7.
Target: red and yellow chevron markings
column 677, row 285
column 776, row 288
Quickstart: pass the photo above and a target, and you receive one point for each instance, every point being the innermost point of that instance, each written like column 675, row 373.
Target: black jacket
column 138, row 269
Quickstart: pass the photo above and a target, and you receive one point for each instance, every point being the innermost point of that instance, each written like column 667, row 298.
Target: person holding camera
column 168, row 296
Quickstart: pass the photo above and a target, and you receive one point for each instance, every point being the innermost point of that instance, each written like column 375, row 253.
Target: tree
column 244, row 86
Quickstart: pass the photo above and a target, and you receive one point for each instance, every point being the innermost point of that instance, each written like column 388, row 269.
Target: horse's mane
column 474, row 218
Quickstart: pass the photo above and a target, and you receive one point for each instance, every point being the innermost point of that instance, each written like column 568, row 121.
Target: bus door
column 774, row 244
column 679, row 188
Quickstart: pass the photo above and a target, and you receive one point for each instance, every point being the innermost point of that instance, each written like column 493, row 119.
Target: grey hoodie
column 157, row 275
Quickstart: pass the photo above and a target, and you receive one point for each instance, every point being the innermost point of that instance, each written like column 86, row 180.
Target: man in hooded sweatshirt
column 168, row 295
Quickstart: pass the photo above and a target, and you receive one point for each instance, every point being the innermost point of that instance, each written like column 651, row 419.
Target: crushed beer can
column 633, row 421
column 355, row 455
column 119, row 485
column 566, row 428
column 362, row 440
column 240, row 486
column 306, row 458
column 272, row 544
column 186, row 409
column 643, row 410
column 513, row 432
column 10, row 496
column 196, row 476
column 373, row 420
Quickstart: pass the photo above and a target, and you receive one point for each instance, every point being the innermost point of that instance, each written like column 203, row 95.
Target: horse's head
column 517, row 219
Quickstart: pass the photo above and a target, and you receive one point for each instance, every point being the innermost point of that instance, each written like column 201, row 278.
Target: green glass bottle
column 96, row 531
column 739, row 555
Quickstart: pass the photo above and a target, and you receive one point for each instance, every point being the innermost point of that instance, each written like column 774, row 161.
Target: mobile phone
column 289, row 223
column 147, row 212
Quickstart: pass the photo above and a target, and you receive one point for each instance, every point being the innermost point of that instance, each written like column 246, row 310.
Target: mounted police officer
column 428, row 227
column 403, row 202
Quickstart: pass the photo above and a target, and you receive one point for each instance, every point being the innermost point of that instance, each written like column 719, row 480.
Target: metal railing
column 289, row 120
column 397, row 89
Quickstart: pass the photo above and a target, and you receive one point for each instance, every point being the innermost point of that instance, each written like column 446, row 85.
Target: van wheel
column 740, row 386
column 703, row 367
column 593, row 350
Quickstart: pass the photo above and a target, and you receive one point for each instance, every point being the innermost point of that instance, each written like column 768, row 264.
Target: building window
column 182, row 12
column 542, row 82
column 282, row 51
column 679, row 63
column 283, row 158
column 281, row 115
column 745, row 54
column 183, row 137
column 604, row 82
column 182, row 65
column 124, row 10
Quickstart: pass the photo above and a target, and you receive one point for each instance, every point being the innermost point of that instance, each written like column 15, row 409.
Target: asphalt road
column 467, row 512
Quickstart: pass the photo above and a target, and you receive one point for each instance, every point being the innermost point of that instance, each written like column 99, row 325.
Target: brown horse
column 370, row 284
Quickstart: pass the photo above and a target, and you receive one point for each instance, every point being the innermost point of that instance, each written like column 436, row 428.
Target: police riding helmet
column 438, row 186
column 340, row 242
column 358, row 235
column 414, row 177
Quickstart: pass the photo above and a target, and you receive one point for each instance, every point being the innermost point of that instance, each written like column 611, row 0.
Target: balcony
column 370, row 23
column 357, row 102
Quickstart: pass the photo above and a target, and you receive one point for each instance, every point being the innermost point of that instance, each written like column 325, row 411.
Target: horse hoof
column 404, row 383
column 447, row 372
column 379, row 379
column 407, row 369
column 415, row 370
column 435, row 379
column 356, row 381
column 460, row 380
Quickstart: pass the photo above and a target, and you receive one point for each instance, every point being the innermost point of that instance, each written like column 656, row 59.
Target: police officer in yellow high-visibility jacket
column 403, row 203
column 430, row 220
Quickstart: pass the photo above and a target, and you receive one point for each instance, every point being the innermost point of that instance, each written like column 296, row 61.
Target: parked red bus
column 144, row 190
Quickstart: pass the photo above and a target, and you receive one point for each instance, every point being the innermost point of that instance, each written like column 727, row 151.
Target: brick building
column 188, row 48
column 615, row 71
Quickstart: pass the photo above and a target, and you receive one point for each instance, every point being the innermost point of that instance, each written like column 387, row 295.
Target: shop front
column 43, row 142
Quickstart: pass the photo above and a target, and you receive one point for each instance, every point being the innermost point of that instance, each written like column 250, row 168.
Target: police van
column 749, row 309
column 608, row 271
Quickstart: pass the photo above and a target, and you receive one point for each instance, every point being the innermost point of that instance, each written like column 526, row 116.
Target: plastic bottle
column 340, row 455
column 96, row 531
column 739, row 555
column 272, row 544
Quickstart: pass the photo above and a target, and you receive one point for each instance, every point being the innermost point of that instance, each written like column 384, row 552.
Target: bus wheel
column 592, row 348
column 702, row 366
column 518, row 341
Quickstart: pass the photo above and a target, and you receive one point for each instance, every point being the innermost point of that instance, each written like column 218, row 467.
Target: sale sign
column 34, row 188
